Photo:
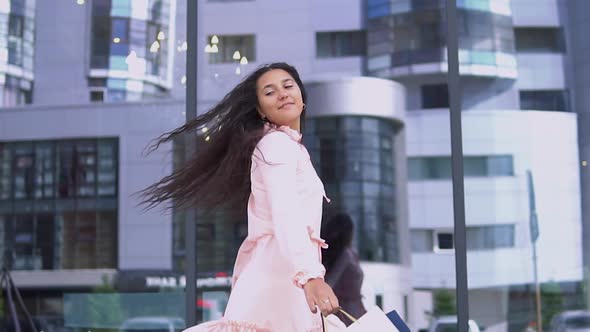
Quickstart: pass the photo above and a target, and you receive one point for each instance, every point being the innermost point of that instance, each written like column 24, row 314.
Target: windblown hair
column 338, row 233
column 218, row 173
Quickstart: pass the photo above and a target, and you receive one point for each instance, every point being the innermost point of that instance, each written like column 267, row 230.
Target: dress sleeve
column 276, row 159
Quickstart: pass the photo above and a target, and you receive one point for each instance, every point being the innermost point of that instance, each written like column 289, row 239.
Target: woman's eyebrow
column 283, row 81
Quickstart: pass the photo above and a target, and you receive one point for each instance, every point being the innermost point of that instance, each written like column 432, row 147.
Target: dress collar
column 292, row 133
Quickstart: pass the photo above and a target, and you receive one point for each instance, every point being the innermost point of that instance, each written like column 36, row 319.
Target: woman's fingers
column 320, row 296
column 325, row 306
column 335, row 303
column 328, row 305
column 311, row 304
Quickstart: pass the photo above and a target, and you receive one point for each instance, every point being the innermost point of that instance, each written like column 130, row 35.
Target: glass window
column 15, row 40
column 435, row 96
column 15, row 26
column 97, row 96
column 44, row 171
column 490, row 237
column 101, row 41
column 500, row 166
column 5, row 171
column 23, row 171
column 421, row 240
column 66, row 168
column 545, row 100
column 231, row 49
column 89, row 239
column 475, row 166
column 332, row 44
column 444, row 240
column 421, row 168
column 539, row 40
column 101, row 7
column 23, row 250
column 120, row 30
column 356, row 166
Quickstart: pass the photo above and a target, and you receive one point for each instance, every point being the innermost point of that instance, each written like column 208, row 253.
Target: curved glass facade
column 404, row 33
column 131, row 49
column 17, row 37
column 354, row 157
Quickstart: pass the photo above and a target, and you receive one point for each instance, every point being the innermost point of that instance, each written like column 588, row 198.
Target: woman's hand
column 319, row 293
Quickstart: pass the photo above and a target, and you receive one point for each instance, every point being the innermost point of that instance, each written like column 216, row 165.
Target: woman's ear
column 260, row 113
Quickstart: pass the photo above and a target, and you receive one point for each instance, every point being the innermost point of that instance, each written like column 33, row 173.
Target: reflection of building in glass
column 17, row 52
column 131, row 49
column 59, row 204
column 407, row 38
column 354, row 157
column 355, row 133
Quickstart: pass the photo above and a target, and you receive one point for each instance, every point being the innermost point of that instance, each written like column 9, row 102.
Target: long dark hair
column 218, row 173
column 338, row 233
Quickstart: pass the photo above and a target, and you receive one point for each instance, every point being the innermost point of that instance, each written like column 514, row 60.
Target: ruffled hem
column 224, row 325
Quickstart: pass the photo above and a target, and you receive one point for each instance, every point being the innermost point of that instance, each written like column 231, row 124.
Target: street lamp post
column 191, row 113
column 457, row 167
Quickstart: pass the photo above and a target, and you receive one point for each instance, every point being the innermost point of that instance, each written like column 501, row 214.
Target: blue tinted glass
column 377, row 11
column 483, row 58
column 121, row 8
column 116, row 84
column 121, row 29
column 120, row 49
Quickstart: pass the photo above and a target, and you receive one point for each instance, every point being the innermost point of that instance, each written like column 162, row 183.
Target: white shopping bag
column 374, row 320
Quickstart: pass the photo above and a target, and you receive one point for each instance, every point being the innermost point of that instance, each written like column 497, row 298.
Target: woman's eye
column 288, row 86
column 268, row 93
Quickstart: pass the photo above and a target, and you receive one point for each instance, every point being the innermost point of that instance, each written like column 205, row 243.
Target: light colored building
column 101, row 91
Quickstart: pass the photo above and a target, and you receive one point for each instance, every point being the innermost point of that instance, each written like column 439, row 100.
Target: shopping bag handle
column 349, row 316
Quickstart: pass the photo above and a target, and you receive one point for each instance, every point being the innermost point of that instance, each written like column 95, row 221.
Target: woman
column 343, row 270
column 252, row 156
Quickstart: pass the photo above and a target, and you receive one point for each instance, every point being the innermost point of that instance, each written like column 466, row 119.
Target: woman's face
column 279, row 98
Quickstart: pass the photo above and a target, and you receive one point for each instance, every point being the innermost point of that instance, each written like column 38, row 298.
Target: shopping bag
column 374, row 320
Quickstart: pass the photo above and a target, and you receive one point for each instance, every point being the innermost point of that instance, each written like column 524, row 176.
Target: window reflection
column 17, row 40
column 231, row 48
column 133, row 41
column 354, row 158
column 430, row 168
column 58, row 204
column 405, row 33
column 331, row 44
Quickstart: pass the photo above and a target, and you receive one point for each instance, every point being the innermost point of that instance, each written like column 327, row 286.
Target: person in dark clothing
column 343, row 270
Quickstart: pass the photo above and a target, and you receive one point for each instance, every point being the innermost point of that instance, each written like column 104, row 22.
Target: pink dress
column 283, row 249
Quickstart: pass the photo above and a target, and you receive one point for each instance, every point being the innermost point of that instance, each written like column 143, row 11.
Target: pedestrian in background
column 343, row 269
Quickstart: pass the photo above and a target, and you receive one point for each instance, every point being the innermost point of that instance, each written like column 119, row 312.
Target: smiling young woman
column 255, row 159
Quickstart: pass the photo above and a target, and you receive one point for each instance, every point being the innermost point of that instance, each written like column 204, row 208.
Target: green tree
column 444, row 303
column 586, row 287
column 551, row 302
column 104, row 307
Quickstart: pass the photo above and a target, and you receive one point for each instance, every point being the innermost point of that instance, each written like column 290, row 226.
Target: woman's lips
column 286, row 104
